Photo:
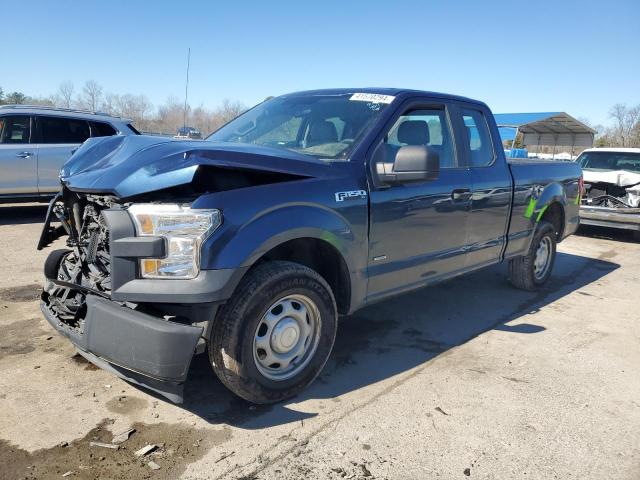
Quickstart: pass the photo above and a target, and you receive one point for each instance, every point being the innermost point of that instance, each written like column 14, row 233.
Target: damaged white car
column 611, row 188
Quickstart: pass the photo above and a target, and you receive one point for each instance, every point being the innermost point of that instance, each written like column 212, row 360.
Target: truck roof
column 396, row 92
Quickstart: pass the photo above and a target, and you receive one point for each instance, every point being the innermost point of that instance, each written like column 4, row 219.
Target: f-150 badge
column 342, row 196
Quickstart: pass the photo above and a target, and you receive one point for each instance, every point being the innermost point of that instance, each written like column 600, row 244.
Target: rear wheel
column 531, row 271
column 273, row 337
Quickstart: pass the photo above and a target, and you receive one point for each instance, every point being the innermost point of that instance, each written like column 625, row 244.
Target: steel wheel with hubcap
column 287, row 337
column 543, row 256
column 273, row 337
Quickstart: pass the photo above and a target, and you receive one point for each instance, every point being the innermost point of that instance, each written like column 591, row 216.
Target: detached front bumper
column 625, row 218
column 137, row 347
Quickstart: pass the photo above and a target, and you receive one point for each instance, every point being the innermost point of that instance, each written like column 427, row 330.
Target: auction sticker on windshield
column 372, row 97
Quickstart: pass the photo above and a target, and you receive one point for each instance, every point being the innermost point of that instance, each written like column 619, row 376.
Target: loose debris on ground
column 438, row 409
column 123, row 436
column 224, row 455
column 98, row 455
column 104, row 445
column 145, row 450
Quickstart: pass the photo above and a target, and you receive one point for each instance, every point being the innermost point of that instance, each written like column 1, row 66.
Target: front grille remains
column 87, row 265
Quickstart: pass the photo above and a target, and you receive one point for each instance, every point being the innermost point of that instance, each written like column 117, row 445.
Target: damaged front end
column 611, row 199
column 93, row 295
column 131, row 290
column 83, row 268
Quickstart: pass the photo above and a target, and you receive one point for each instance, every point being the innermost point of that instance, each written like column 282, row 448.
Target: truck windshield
column 322, row 125
column 629, row 161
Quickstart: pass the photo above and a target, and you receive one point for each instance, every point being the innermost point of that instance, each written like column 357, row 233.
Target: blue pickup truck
column 248, row 245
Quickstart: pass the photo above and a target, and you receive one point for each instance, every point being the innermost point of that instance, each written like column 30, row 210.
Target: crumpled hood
column 620, row 178
column 132, row 165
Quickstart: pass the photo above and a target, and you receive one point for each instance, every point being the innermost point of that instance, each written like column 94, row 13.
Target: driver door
column 418, row 229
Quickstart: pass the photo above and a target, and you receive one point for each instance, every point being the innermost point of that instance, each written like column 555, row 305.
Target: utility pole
column 186, row 89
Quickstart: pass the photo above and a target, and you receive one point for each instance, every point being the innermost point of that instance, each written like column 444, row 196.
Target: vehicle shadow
column 606, row 233
column 20, row 214
column 395, row 336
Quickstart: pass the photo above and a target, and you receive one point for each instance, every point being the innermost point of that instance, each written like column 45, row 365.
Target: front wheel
column 273, row 337
column 531, row 271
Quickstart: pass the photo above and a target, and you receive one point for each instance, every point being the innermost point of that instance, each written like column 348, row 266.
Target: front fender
column 244, row 245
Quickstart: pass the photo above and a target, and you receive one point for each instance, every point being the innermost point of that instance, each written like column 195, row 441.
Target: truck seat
column 321, row 131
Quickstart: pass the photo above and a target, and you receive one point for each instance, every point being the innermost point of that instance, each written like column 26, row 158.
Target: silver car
column 36, row 141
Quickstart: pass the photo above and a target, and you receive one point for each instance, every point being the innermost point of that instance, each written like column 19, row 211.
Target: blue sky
column 575, row 56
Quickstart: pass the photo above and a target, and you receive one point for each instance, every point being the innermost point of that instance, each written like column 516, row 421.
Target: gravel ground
column 467, row 379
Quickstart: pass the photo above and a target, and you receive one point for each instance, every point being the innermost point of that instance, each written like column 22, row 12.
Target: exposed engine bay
column 612, row 189
column 85, row 266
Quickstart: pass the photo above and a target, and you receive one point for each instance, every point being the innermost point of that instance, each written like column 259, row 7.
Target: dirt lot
column 468, row 379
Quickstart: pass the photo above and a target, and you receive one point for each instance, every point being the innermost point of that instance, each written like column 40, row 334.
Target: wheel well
column 554, row 214
column 322, row 257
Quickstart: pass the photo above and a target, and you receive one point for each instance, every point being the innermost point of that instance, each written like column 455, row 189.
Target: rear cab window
column 15, row 129
column 63, row 130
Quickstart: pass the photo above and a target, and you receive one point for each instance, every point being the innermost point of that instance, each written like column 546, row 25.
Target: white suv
column 36, row 141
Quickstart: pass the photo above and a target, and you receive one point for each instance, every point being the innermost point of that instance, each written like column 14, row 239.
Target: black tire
column 52, row 263
column 522, row 269
column 232, row 337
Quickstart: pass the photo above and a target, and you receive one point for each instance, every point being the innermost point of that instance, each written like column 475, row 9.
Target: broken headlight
column 184, row 230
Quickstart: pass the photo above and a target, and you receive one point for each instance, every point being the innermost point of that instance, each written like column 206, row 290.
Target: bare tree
column 91, row 95
column 49, row 101
column 203, row 119
column 136, row 107
column 170, row 116
column 635, row 135
column 207, row 120
column 229, row 110
column 166, row 119
column 625, row 120
column 64, row 97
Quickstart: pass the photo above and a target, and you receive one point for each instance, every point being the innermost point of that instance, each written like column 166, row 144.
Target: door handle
column 461, row 194
column 24, row 154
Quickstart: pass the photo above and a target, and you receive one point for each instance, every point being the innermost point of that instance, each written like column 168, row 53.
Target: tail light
column 581, row 186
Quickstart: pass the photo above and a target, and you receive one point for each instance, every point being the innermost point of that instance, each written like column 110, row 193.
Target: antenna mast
column 186, row 89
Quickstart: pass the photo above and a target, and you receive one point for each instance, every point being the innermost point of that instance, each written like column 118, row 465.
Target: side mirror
column 412, row 163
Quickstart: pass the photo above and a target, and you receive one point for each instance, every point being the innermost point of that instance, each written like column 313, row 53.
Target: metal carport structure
column 545, row 128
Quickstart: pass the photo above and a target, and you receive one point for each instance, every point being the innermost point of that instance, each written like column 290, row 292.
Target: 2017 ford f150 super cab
column 310, row 205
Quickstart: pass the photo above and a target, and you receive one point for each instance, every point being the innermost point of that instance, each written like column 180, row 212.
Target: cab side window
column 15, row 129
column 478, row 138
column 423, row 127
column 63, row 130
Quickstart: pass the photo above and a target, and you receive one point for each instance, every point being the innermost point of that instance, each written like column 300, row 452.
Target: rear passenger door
column 491, row 184
column 18, row 156
column 59, row 137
